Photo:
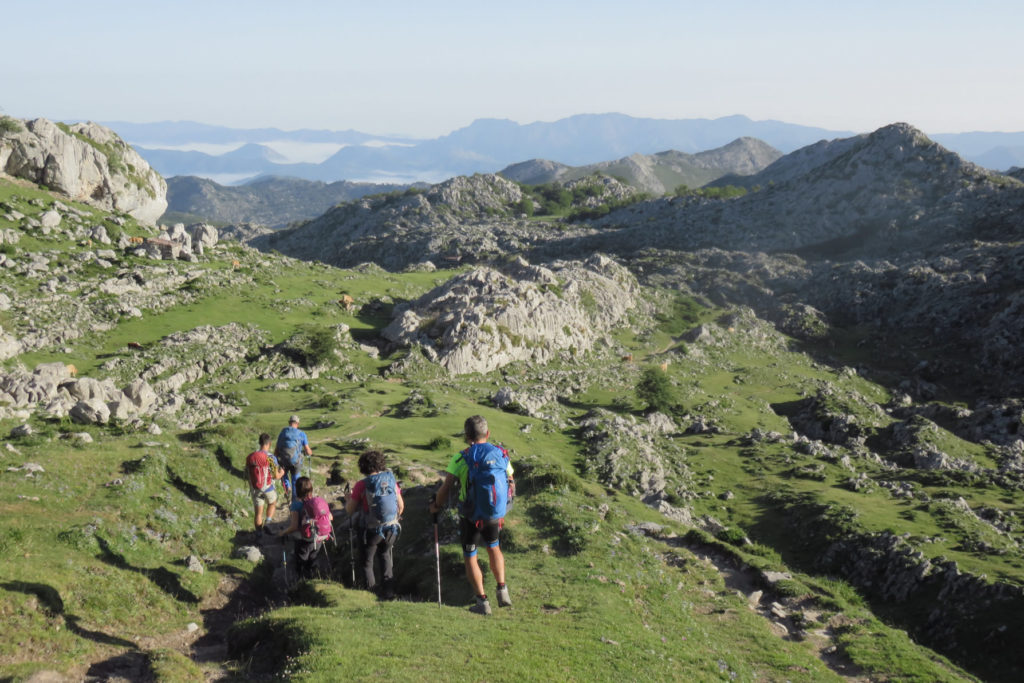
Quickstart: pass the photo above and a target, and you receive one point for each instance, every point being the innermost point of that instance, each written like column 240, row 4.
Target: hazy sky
column 427, row 68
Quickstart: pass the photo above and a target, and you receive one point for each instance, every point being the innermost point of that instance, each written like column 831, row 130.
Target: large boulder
column 141, row 394
column 87, row 162
column 90, row 411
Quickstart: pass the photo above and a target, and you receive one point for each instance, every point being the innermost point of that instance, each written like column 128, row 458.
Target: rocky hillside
column 472, row 218
column 486, row 319
column 660, row 173
column 877, row 194
column 85, row 162
column 271, row 201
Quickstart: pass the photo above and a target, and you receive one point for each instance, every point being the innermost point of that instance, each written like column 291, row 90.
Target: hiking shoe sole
column 503, row 599
column 481, row 608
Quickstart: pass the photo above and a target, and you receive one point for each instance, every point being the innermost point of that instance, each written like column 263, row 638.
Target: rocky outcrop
column 487, row 318
column 88, row 163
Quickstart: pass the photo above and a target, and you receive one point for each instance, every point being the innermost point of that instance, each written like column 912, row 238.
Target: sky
column 424, row 69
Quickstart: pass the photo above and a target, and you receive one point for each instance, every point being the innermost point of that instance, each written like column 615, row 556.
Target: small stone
column 192, row 627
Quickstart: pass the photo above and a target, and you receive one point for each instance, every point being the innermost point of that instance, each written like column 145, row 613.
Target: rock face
column 88, row 163
column 485, row 319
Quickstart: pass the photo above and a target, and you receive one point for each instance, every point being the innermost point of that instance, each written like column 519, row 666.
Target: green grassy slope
column 92, row 549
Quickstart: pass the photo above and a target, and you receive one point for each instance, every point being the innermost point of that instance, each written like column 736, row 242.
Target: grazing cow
column 236, row 265
column 664, row 366
column 136, row 240
column 72, row 370
column 628, row 358
column 346, row 302
column 134, row 345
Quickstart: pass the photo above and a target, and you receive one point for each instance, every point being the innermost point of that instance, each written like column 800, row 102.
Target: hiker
column 379, row 498
column 309, row 526
column 292, row 444
column 263, row 470
column 483, row 475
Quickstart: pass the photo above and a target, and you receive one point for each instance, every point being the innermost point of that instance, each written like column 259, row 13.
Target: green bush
column 316, row 344
column 656, row 390
column 440, row 443
column 9, row 125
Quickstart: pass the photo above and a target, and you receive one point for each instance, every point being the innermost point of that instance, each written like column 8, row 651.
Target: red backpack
column 259, row 468
column 315, row 523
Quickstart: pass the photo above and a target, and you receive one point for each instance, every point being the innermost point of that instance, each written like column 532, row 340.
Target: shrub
column 656, row 390
column 9, row 125
column 440, row 443
column 316, row 344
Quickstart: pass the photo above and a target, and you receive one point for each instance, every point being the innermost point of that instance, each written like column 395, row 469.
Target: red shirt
column 359, row 493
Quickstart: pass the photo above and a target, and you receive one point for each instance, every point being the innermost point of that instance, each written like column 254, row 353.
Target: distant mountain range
column 487, row 145
column 276, row 201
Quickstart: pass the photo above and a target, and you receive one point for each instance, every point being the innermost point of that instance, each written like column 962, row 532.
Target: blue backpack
column 288, row 449
column 487, row 482
column 382, row 500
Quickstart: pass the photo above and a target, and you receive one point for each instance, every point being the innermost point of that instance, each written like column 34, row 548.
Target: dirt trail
column 790, row 618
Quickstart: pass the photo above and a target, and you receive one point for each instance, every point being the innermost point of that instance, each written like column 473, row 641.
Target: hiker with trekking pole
column 483, row 474
column 292, row 444
column 379, row 498
column 310, row 526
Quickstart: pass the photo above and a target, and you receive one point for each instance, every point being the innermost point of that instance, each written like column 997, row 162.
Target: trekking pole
column 437, row 560
column 284, row 563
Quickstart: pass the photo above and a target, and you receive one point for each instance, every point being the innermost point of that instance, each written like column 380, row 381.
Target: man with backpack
column 310, row 524
column 483, row 475
column 292, row 444
column 379, row 498
column 262, row 471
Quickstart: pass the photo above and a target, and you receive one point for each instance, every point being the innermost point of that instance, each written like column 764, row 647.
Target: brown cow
column 628, row 358
column 236, row 265
column 664, row 366
column 346, row 302
column 72, row 370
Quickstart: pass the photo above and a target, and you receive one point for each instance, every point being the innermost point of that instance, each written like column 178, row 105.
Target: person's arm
column 293, row 524
column 401, row 501
column 441, row 497
column 305, row 444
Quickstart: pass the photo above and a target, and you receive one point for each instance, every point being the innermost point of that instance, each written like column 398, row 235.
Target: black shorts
column 473, row 535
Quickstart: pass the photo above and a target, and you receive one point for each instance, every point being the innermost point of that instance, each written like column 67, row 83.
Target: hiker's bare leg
column 475, row 576
column 258, row 516
column 497, row 564
column 270, row 511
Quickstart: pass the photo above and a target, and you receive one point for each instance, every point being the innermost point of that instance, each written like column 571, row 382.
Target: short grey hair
column 476, row 428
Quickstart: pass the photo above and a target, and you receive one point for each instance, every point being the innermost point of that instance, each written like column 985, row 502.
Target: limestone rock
column 108, row 174
column 90, row 411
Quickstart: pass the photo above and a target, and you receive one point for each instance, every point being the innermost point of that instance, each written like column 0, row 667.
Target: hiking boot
column 482, row 606
column 267, row 531
column 503, row 599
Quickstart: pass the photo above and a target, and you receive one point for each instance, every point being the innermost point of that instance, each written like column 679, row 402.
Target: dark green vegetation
column 605, row 586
